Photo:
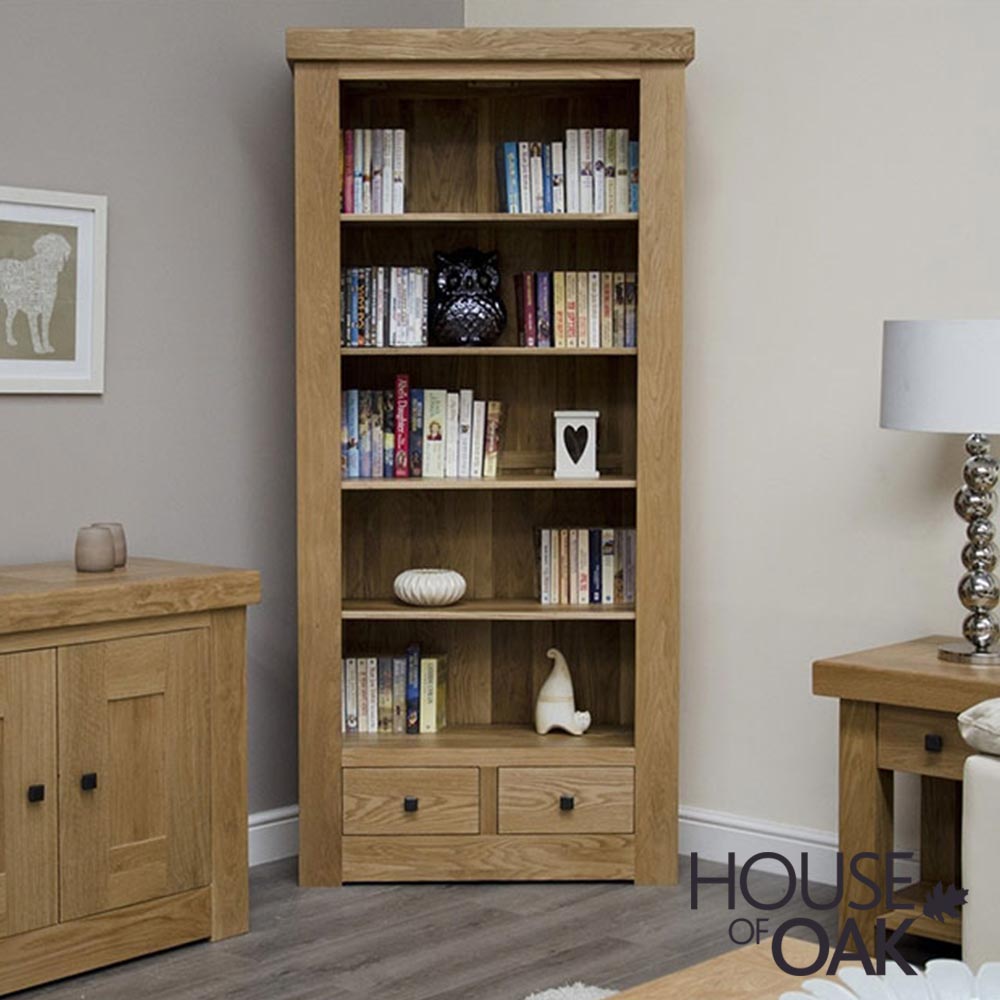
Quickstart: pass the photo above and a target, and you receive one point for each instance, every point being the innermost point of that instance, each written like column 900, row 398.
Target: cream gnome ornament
column 555, row 708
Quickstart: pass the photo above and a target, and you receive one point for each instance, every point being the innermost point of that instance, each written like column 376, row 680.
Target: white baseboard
column 275, row 835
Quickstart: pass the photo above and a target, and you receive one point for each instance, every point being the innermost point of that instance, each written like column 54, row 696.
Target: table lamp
column 944, row 376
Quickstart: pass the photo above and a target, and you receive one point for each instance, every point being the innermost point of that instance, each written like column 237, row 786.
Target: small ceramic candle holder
column 95, row 550
column 118, row 534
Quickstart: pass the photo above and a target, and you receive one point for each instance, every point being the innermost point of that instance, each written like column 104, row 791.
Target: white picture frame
column 576, row 444
column 53, row 275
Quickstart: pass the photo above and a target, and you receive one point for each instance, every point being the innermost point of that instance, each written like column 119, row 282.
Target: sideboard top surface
column 53, row 595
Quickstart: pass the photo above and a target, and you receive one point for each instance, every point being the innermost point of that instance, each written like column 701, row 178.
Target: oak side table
column 898, row 712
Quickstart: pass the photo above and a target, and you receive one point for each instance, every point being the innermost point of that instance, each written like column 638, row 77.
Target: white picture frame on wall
column 53, row 272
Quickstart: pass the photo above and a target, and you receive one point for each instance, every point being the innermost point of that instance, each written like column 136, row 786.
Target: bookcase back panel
column 454, row 127
column 530, row 391
column 495, row 669
column 488, row 536
column 553, row 247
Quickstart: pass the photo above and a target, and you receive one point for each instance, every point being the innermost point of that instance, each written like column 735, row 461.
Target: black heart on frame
column 575, row 439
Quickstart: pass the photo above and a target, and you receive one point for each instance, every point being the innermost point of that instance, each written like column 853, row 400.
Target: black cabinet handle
column 411, row 804
column 89, row 781
column 566, row 803
column 36, row 793
column 933, row 743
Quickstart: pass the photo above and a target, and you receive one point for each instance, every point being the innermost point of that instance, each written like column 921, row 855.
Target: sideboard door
column 29, row 883
column 134, row 751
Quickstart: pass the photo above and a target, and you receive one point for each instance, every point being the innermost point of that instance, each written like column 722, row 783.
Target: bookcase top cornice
column 489, row 44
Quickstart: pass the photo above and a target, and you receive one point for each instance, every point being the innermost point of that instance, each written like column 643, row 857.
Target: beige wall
column 179, row 111
column 842, row 169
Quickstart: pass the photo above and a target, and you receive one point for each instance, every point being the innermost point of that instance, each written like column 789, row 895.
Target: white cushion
column 980, row 726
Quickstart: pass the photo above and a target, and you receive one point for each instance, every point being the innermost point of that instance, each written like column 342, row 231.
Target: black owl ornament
column 467, row 310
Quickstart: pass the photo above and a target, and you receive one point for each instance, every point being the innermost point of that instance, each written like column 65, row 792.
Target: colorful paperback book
column 344, row 435
column 433, row 694
column 537, row 178
column 558, row 179
column 478, row 438
column 387, row 161
column 372, row 669
column 607, row 566
column 573, row 562
column 402, row 425
column 622, row 171
column 351, row 693
column 594, row 309
column 451, row 436
column 362, row 678
column 510, row 195
column 388, row 433
column 586, row 170
column 631, row 309
column 633, row 176
column 377, row 436
column 607, row 309
column 366, row 180
column 571, row 309
column 353, row 455
column 599, row 188
column 545, row 565
column 425, row 281
column 377, row 163
column 543, row 308
column 398, row 171
column 399, row 694
column 524, row 294
column 435, row 403
column 359, row 168
column 554, row 567
column 564, row 578
column 493, row 440
column 595, row 565
column 385, row 694
column 583, row 566
column 618, row 318
column 582, row 314
column 413, row 689
column 352, row 308
column 416, row 432
column 629, row 565
column 572, row 170
column 619, row 590
column 348, row 178
column 547, row 178
column 610, row 168
column 464, row 433
column 524, row 176
column 559, row 308
column 364, row 434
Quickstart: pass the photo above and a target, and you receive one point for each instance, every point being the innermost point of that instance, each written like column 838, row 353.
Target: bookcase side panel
column 318, row 435
column 657, row 633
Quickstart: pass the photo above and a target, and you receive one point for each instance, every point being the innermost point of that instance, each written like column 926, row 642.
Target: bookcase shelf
column 457, row 95
column 492, row 609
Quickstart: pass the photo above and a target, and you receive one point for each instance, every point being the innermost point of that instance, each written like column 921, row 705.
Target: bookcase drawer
column 566, row 799
column 394, row 800
column 911, row 739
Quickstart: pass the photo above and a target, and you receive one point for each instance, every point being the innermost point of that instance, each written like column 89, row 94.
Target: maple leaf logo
column 942, row 902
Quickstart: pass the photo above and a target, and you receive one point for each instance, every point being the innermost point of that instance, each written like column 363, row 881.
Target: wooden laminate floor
column 447, row 942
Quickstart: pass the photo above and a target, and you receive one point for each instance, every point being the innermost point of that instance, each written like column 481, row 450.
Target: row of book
column 407, row 432
column 576, row 308
column 586, row 565
column 394, row 694
column 593, row 170
column 384, row 306
column 373, row 171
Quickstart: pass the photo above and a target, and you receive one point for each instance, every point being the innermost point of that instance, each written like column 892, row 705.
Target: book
column 510, row 195
column 536, row 178
column 351, row 337
column 384, row 694
column 359, row 170
column 465, row 400
column 582, row 314
column 564, row 567
column 586, row 170
column 378, row 305
column 413, row 689
column 388, row 160
column 595, row 565
column 573, row 565
column 353, row 456
column 524, row 295
column 618, row 310
column 622, row 170
column 377, row 436
column 583, row 566
column 524, row 176
column 366, row 177
column 629, row 561
column 631, row 308
column 559, row 308
column 607, row 309
column 399, row 694
column 610, row 168
column 619, row 587
column 451, row 436
column 416, row 432
column 344, row 435
column 633, row 176
column 558, row 179
column 547, row 178
column 543, row 308
column 478, row 438
column 433, row 694
column 402, row 427
column 493, row 439
column 434, row 426
column 351, row 694
column 608, row 566
column 599, row 180
column 347, row 181
column 554, row 567
column 545, row 566
column 372, row 672
column 571, row 309
column 388, row 433
column 572, row 170
column 377, row 163
column 425, row 282
column 594, row 309
column 364, row 434
column 398, row 171
column 361, row 670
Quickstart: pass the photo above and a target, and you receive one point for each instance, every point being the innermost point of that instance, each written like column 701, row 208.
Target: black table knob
column 566, row 803
column 410, row 803
column 933, row 743
column 89, row 781
column 36, row 793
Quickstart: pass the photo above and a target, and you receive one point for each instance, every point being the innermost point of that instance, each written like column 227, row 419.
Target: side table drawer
column 911, row 739
column 394, row 800
column 566, row 799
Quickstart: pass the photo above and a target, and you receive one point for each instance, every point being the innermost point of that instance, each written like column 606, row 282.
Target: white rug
column 575, row 991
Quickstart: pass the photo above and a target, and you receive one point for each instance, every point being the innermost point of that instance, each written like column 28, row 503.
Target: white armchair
column 981, row 860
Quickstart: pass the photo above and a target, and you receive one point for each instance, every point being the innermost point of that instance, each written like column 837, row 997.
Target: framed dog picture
column 53, row 256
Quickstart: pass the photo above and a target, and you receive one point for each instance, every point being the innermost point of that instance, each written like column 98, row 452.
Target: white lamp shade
column 941, row 375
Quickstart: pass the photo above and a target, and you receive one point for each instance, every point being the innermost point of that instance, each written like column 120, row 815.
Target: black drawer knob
column 89, row 781
column 566, row 803
column 933, row 743
column 36, row 793
column 410, row 804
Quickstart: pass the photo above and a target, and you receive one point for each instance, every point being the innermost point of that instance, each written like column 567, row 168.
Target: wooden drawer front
column 531, row 799
column 904, row 735
column 446, row 800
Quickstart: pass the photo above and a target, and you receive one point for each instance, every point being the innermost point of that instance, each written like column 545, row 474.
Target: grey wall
column 180, row 111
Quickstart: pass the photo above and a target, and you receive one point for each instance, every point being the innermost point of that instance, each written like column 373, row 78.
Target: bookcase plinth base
column 489, row 858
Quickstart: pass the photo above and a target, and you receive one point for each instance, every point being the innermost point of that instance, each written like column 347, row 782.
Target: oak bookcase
column 489, row 787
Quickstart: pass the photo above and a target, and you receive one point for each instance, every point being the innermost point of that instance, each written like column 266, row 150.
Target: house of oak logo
column 941, row 902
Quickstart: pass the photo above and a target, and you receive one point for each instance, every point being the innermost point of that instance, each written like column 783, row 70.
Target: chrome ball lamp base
column 978, row 590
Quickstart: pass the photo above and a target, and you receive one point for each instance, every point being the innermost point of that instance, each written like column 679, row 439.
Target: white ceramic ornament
column 429, row 587
column 555, row 707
